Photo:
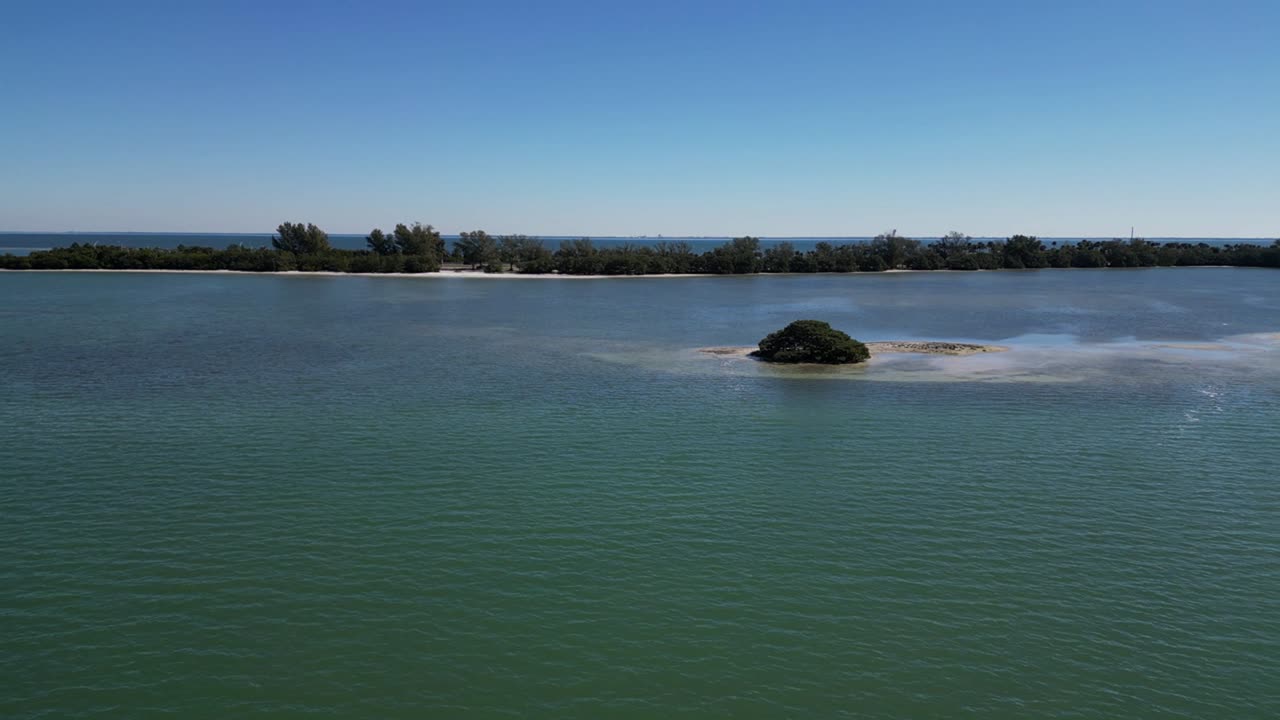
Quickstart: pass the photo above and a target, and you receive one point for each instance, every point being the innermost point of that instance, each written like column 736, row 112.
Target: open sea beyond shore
column 228, row 495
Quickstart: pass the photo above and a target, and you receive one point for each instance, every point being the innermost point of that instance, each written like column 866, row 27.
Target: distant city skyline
column 679, row 119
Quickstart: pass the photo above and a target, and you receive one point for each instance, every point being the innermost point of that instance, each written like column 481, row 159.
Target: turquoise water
column 443, row 497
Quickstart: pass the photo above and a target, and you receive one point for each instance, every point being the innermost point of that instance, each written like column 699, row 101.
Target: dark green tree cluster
column 525, row 254
column 811, row 341
column 408, row 249
column 295, row 246
column 478, row 249
column 78, row 256
column 739, row 256
column 890, row 251
column 582, row 257
column 414, row 249
column 300, row 239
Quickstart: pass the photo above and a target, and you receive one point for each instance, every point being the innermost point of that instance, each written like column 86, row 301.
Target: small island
column 817, row 343
column 811, row 341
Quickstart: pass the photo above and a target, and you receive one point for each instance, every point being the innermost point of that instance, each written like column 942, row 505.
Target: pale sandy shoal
column 885, row 347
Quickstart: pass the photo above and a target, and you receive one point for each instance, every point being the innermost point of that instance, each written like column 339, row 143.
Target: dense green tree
column 626, row 259
column 739, row 256
column 419, row 239
column 1132, row 253
column 509, row 250
column 674, row 257
column 300, row 239
column 478, row 248
column 811, row 341
column 967, row 261
column 520, row 250
column 953, row 244
column 779, row 258
column 1272, row 256
column 824, row 257
column 532, row 256
column 1088, row 254
column 578, row 257
column 421, row 263
column 925, row 259
column 366, row 262
column 1061, row 256
column 958, row 252
column 1024, row 251
column 871, row 262
column 894, row 249
column 380, row 243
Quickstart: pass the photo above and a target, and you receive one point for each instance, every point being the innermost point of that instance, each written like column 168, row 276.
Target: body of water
column 227, row 495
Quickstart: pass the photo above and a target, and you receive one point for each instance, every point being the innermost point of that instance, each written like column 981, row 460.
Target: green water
column 377, row 497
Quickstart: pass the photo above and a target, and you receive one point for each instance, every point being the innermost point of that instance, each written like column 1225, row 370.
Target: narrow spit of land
column 423, row 251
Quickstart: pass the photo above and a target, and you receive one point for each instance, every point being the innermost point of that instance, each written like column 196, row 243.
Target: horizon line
column 649, row 237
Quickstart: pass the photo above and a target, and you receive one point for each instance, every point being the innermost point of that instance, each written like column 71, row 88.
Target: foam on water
column 1039, row 358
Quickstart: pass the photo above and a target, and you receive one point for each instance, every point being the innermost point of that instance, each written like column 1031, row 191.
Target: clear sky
column 625, row 118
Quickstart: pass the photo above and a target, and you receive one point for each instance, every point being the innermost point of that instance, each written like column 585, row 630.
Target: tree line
column 420, row 248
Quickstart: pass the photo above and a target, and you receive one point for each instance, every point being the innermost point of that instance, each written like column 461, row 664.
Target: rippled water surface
column 228, row 495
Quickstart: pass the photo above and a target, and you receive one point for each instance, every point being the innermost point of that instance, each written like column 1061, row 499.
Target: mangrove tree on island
column 811, row 341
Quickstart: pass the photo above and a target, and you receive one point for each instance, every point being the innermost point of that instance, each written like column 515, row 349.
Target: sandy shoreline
column 885, row 347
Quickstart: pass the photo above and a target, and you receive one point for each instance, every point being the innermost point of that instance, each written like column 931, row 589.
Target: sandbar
column 884, row 347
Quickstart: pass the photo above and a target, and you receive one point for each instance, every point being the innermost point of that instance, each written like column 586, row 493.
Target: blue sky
column 671, row 117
